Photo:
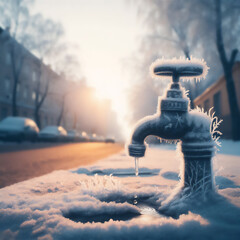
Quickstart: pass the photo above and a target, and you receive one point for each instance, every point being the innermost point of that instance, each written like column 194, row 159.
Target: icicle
column 136, row 166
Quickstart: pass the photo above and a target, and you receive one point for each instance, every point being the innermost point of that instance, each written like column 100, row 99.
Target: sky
column 106, row 32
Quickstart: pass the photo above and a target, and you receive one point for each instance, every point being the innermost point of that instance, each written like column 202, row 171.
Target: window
column 25, row 69
column 46, row 121
column 18, row 88
column 9, row 96
column 206, row 105
column 8, row 58
column 217, row 103
column 25, row 92
column 34, row 76
column 4, row 112
column 33, row 95
column 7, row 84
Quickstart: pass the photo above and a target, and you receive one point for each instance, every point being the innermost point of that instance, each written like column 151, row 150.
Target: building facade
column 216, row 96
column 71, row 104
column 34, row 76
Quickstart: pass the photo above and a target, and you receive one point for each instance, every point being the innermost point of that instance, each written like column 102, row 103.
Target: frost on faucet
column 174, row 121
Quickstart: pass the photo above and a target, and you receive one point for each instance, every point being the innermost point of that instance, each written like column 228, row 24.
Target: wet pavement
column 19, row 162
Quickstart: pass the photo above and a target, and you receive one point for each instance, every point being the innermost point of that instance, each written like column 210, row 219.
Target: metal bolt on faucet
column 175, row 121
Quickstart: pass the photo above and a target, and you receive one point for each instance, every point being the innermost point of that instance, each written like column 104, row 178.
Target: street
column 22, row 162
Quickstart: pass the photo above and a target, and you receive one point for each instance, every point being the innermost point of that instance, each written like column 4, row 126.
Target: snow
column 50, row 129
column 107, row 201
column 181, row 64
column 229, row 147
column 12, row 123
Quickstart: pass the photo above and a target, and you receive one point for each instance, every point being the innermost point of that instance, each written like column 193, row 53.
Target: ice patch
column 118, row 172
column 171, row 176
column 230, row 147
column 223, row 182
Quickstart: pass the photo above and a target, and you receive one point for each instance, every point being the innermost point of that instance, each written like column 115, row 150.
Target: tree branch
column 219, row 37
column 44, row 95
column 233, row 57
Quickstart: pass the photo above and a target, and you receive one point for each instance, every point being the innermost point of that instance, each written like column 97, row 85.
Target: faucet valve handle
column 175, row 99
column 136, row 150
column 176, row 68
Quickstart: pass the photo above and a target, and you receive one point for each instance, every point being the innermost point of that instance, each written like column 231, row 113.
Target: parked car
column 109, row 140
column 18, row 129
column 100, row 139
column 73, row 136
column 93, row 137
column 83, row 137
column 53, row 134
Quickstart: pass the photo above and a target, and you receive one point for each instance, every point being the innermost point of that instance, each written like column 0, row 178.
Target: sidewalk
column 65, row 204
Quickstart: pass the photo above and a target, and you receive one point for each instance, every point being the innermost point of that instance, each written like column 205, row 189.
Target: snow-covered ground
column 107, row 201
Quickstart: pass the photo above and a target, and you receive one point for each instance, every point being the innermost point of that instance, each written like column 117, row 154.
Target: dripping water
column 135, row 202
column 136, row 166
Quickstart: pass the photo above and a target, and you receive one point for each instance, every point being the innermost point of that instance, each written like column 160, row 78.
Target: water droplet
column 135, row 199
column 136, row 166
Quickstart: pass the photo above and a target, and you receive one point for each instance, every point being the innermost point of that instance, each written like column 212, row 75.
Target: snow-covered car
column 73, row 136
column 109, row 140
column 18, row 129
column 96, row 138
column 93, row 137
column 100, row 139
column 83, row 137
column 53, row 133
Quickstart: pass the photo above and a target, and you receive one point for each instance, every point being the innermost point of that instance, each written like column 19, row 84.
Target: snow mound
column 80, row 204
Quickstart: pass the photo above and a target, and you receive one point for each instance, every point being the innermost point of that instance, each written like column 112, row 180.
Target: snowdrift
column 107, row 201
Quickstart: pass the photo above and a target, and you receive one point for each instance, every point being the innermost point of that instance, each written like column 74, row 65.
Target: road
column 22, row 162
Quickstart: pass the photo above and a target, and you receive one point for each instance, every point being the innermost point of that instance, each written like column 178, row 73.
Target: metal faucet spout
column 145, row 127
column 167, row 125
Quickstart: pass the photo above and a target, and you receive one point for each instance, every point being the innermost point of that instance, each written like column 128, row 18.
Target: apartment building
column 78, row 103
column 33, row 79
column 216, row 96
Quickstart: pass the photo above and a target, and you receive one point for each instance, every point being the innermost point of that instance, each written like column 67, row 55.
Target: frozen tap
column 175, row 121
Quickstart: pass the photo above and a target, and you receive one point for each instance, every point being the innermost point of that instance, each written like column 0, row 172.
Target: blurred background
column 84, row 65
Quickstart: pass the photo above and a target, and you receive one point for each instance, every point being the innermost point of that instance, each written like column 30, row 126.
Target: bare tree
column 14, row 17
column 40, row 36
column 68, row 67
column 206, row 28
column 41, row 93
column 175, row 29
column 219, row 24
column 18, row 56
column 62, row 109
column 46, row 44
column 227, row 65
